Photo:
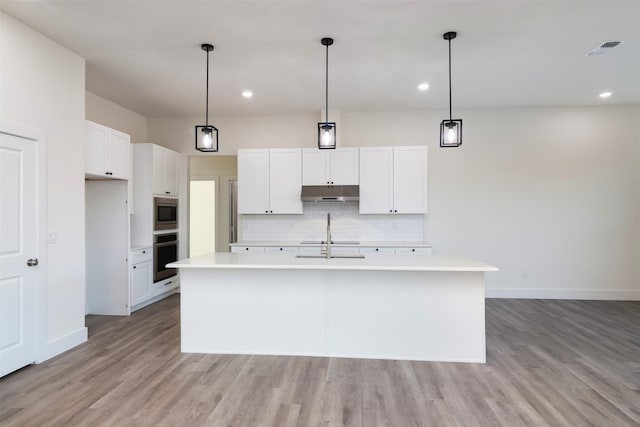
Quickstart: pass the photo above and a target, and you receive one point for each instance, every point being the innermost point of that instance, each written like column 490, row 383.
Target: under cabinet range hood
column 330, row 193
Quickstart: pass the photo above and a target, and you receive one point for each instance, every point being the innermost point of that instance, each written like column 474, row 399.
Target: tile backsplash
column 346, row 224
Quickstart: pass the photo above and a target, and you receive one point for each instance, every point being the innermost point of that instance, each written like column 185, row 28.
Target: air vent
column 604, row 48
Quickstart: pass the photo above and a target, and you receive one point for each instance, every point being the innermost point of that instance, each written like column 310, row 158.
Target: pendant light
column 326, row 129
column 450, row 130
column 207, row 135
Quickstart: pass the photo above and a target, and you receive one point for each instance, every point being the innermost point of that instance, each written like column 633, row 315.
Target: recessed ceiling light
column 605, row 94
column 247, row 93
column 423, row 86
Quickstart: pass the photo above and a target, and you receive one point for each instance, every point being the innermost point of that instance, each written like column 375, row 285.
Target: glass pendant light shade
column 451, row 133
column 326, row 135
column 327, row 129
column 450, row 129
column 207, row 135
column 207, row 138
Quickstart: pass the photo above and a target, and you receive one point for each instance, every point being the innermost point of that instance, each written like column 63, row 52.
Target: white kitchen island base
column 373, row 308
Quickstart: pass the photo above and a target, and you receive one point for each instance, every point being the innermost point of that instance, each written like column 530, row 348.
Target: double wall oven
column 165, row 245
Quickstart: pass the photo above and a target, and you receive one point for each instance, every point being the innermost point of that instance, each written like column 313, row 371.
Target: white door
column 18, row 234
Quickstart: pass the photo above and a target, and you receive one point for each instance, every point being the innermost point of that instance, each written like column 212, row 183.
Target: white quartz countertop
column 364, row 244
column 280, row 261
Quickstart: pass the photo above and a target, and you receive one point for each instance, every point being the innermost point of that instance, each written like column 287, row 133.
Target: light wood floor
column 556, row 363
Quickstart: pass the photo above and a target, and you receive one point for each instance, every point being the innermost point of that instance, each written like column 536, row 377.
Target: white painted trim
column 39, row 137
column 66, row 342
column 575, row 294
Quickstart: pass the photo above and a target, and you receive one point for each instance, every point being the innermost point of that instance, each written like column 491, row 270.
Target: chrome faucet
column 327, row 252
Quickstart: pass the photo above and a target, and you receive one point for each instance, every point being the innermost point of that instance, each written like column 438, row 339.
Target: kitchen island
column 413, row 307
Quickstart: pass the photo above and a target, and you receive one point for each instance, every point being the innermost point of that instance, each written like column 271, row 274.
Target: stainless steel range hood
column 330, row 193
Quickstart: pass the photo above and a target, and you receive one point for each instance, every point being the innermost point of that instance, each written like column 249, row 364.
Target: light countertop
column 362, row 244
column 371, row 262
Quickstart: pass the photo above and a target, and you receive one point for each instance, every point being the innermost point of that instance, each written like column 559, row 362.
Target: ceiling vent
column 604, row 48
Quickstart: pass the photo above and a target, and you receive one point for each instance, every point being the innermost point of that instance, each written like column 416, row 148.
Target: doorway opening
column 202, row 217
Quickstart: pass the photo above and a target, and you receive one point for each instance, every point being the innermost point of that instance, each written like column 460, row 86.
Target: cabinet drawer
column 281, row 249
column 377, row 250
column 140, row 255
column 423, row 251
column 165, row 285
column 341, row 250
column 309, row 250
column 247, row 249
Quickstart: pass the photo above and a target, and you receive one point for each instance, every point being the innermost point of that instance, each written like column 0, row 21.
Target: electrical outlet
column 52, row 237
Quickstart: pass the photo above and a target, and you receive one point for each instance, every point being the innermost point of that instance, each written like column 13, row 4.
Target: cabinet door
column 281, row 249
column 141, row 281
column 95, row 146
column 404, row 251
column 376, row 180
column 377, row 250
column 344, row 166
column 253, row 181
column 117, row 154
column 410, row 179
column 315, row 167
column 171, row 173
column 285, row 181
column 157, row 166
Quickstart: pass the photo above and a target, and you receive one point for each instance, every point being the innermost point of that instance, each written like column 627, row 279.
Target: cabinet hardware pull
column 168, row 283
column 377, row 249
column 144, row 252
column 396, row 210
column 413, row 250
column 135, row 266
column 167, row 192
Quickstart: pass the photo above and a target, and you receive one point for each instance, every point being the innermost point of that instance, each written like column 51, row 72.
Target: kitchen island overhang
column 403, row 307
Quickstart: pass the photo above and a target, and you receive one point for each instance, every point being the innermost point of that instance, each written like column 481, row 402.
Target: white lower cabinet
column 247, row 249
column 405, row 251
column 281, row 249
column 141, row 280
column 140, row 275
column 165, row 285
column 381, row 250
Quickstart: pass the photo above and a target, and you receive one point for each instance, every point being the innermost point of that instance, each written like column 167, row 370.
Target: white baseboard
column 65, row 343
column 577, row 294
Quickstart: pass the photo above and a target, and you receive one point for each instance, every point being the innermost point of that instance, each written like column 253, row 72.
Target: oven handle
column 171, row 243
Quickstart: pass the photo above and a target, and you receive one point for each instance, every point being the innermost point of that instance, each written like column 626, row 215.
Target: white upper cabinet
column 410, row 179
column 333, row 167
column 269, row 181
column 107, row 152
column 253, row 181
column 166, row 171
column 393, row 180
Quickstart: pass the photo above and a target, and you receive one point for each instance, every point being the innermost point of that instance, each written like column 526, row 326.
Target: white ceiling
column 146, row 56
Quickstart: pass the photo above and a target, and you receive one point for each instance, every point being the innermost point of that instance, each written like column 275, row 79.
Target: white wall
column 549, row 195
column 105, row 112
column 177, row 133
column 43, row 87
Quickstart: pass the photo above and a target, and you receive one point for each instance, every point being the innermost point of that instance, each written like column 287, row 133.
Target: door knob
column 32, row 262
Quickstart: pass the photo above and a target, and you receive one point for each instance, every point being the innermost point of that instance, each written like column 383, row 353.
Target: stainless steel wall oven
column 165, row 251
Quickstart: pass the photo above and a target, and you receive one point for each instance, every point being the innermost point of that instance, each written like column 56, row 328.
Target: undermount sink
column 332, row 256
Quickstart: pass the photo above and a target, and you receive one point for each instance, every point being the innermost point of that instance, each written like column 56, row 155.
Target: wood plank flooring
column 549, row 363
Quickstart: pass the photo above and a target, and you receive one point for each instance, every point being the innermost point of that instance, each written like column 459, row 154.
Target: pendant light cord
column 450, row 114
column 206, row 119
column 326, row 87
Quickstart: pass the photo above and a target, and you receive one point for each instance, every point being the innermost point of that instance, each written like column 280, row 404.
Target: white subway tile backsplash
column 346, row 224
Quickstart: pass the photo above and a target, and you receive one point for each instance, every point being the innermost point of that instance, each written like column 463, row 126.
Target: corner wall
column 107, row 113
column 43, row 87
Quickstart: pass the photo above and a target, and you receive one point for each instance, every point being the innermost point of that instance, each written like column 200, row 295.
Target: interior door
column 18, row 245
